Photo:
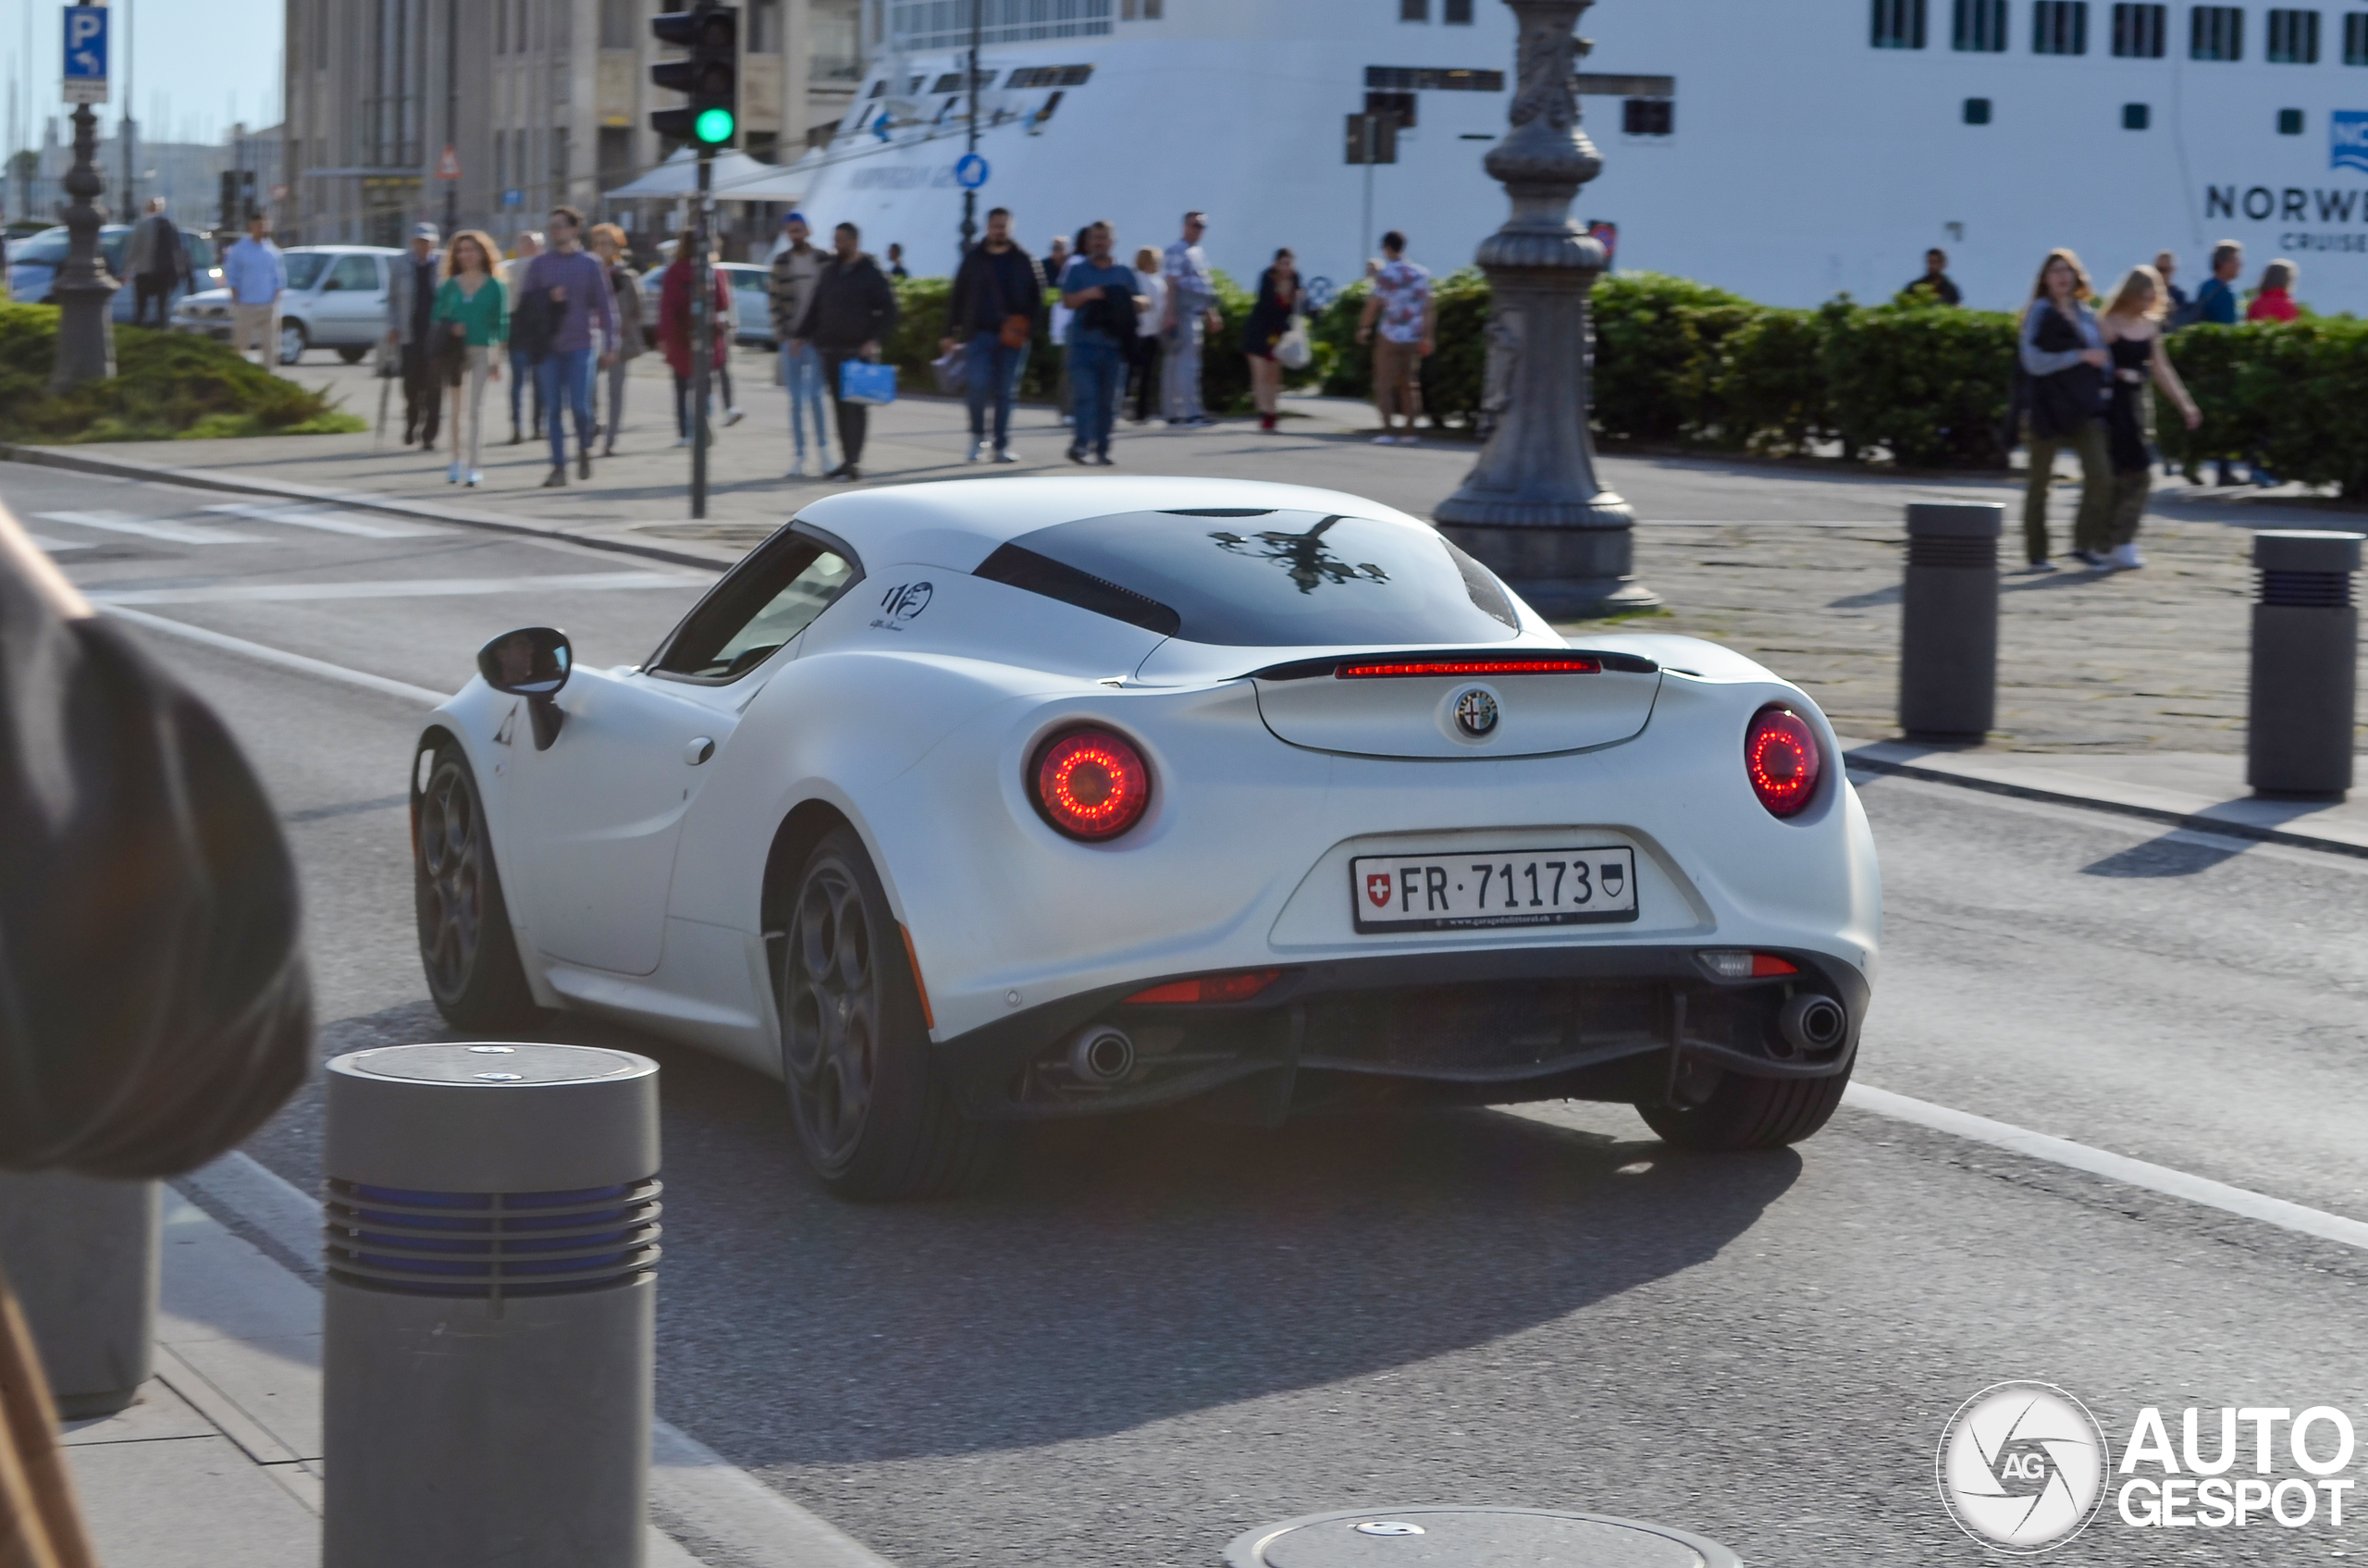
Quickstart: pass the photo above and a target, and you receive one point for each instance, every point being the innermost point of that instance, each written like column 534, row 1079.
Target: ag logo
column 905, row 601
column 1378, row 888
column 1476, row 711
column 2022, row 1467
column 2348, row 139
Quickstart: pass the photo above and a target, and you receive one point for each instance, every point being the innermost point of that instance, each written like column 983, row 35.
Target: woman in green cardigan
column 471, row 302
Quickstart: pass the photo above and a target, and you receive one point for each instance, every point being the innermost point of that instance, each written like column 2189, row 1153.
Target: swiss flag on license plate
column 1377, row 889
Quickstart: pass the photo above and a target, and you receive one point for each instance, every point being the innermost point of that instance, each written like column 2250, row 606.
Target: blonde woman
column 472, row 306
column 2064, row 353
column 625, row 286
column 2132, row 328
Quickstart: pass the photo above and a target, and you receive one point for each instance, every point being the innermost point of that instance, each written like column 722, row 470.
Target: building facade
column 540, row 101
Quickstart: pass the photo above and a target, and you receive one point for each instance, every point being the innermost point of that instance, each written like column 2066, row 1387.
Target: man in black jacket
column 996, row 283
column 853, row 311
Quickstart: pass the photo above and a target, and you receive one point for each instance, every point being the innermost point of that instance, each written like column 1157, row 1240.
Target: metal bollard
column 2306, row 653
column 1948, row 621
column 82, row 1256
column 491, row 1252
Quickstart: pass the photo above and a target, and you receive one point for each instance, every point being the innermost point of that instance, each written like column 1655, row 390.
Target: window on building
column 1898, row 24
column 1414, row 10
column 1977, row 111
column 834, row 34
column 2138, row 31
column 2059, row 27
column 2215, row 32
column 321, row 35
column 764, row 26
column 1648, row 116
column 1980, row 26
column 1143, row 10
column 502, row 27
column 2293, row 37
column 617, row 17
column 2355, row 38
column 2136, row 116
column 2289, row 122
column 917, row 25
column 1456, row 13
column 615, row 153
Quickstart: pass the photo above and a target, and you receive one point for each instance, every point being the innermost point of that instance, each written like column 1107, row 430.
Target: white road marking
column 404, row 588
column 301, row 516
column 2153, row 1178
column 54, row 546
column 280, row 657
column 172, row 532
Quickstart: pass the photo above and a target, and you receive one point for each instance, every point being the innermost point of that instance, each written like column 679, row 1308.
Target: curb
column 2193, row 821
column 352, row 501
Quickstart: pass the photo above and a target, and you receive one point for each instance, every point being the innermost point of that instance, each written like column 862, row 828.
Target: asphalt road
column 1151, row 1336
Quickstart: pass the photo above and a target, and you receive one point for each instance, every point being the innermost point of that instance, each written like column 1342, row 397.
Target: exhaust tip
column 1813, row 1024
column 1102, row 1055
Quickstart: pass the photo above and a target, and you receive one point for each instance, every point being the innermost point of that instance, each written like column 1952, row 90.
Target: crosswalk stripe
column 151, row 528
column 412, row 587
column 54, row 546
column 326, row 522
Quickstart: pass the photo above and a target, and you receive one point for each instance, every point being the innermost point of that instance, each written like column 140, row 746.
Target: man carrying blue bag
column 853, row 311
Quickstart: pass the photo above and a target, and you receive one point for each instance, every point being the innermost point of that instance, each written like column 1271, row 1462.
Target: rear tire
column 873, row 1118
column 353, row 353
column 1749, row 1113
column 466, row 947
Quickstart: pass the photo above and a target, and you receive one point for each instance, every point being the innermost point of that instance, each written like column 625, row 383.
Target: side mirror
column 532, row 663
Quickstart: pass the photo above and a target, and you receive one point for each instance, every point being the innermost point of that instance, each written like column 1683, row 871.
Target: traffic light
column 711, row 77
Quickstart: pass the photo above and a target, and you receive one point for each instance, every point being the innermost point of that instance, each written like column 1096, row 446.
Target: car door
column 351, row 306
column 597, row 815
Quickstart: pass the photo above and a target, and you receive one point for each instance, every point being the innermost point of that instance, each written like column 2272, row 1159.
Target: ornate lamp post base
column 1532, row 508
column 84, row 292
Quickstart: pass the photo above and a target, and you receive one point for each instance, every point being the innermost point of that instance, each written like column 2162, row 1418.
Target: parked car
column 751, row 301
column 336, row 299
column 35, row 260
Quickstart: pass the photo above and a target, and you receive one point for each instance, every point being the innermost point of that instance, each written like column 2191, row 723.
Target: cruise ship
column 1787, row 151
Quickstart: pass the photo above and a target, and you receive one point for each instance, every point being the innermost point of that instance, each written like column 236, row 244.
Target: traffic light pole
column 702, row 331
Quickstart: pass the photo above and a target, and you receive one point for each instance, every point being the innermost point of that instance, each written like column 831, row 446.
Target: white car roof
column 957, row 523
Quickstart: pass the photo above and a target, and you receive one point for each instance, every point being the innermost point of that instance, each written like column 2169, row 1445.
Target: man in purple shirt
column 575, row 287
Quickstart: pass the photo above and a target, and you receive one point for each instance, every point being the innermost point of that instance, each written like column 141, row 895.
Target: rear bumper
column 1455, row 1027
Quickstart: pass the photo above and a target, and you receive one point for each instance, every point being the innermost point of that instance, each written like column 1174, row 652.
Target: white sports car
column 961, row 804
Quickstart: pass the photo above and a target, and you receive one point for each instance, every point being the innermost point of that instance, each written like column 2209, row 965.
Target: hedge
column 166, row 385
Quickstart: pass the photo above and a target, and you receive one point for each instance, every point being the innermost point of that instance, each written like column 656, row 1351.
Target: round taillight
column 1092, row 784
column 1779, row 752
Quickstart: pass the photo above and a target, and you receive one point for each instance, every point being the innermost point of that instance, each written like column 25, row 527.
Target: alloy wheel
column 834, row 1013
column 451, row 866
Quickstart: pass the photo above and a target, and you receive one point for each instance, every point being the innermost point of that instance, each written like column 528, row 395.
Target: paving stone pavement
column 1798, row 565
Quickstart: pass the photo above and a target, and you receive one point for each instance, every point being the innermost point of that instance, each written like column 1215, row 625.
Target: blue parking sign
column 85, row 67
column 970, row 172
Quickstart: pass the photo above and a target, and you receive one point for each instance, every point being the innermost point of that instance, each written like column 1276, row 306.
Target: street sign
column 1320, row 292
column 970, row 172
column 513, row 197
column 449, row 165
column 85, row 36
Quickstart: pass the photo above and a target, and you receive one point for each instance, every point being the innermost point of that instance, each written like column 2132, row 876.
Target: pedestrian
column 995, row 310
column 1144, row 375
column 790, row 286
column 1400, row 321
column 675, row 292
column 624, row 292
column 2133, row 332
column 896, row 262
column 154, row 1008
column 727, row 333
column 1935, row 280
column 411, row 303
column 1063, row 385
column 853, row 311
column 2216, row 305
column 1279, row 298
column 2063, row 352
column 1056, row 261
column 470, row 306
column 582, row 331
column 2176, row 311
column 2276, row 300
column 257, row 276
column 524, row 246
column 156, row 257
column 1192, row 313
column 1105, row 301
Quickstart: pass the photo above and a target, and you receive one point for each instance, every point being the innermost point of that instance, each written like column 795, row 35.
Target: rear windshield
column 1242, row 578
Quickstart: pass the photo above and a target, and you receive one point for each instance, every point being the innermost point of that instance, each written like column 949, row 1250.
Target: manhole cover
column 1445, row 1537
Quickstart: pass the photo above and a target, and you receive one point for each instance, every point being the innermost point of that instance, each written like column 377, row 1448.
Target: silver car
column 336, row 299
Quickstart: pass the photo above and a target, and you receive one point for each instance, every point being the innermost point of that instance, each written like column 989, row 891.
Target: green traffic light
column 713, row 126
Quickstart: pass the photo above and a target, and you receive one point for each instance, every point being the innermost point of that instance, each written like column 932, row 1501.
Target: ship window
column 2289, row 122
column 2294, row 37
column 2059, row 27
column 1048, row 75
column 1977, row 111
column 2136, row 116
column 1414, row 10
column 1898, row 24
column 917, row 25
column 1980, row 26
column 1149, row 10
column 1456, row 13
column 1427, row 79
column 2355, row 38
column 2215, row 32
column 1648, row 116
column 1399, row 106
column 2138, row 31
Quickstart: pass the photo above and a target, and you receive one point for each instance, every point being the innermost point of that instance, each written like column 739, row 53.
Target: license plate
column 1504, row 887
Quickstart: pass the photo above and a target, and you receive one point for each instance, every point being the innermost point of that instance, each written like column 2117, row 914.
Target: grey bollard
column 2305, row 665
column 1948, row 621
column 82, row 1256
column 491, row 1247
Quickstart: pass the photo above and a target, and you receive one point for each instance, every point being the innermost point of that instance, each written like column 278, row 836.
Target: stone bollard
column 2305, row 663
column 1948, row 621
column 490, row 1242
column 82, row 1256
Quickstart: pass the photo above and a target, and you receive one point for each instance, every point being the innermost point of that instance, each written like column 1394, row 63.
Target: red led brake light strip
column 1362, row 671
